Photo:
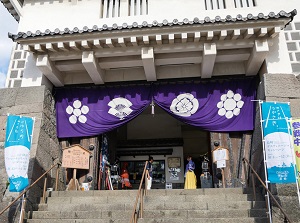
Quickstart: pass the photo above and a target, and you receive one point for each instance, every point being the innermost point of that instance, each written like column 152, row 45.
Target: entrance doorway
column 163, row 137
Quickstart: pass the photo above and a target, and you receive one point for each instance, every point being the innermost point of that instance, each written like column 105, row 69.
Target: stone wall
column 281, row 88
column 33, row 102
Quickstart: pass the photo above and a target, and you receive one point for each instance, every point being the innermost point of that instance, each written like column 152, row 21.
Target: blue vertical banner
column 19, row 130
column 277, row 142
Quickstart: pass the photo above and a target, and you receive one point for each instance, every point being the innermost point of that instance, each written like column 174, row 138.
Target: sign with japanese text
column 277, row 142
column 296, row 143
column 76, row 157
column 17, row 145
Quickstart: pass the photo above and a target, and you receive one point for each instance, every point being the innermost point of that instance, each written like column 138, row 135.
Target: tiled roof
column 144, row 24
column 10, row 9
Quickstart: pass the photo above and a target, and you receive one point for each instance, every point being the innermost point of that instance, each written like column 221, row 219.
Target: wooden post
column 44, row 190
column 142, row 203
column 56, row 178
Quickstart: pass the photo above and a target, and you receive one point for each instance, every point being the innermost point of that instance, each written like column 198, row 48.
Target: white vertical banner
column 19, row 130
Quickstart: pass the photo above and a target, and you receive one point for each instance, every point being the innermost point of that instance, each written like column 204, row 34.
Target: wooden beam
column 148, row 63
column 121, row 41
column 274, row 32
column 210, row 35
column 133, row 40
column 62, row 46
column 171, row 38
column 51, row 47
column 184, row 37
column 45, row 65
column 257, row 57
column 39, row 48
column 91, row 65
column 146, row 40
column 223, row 34
column 262, row 32
column 86, row 44
column 109, row 43
column 208, row 59
column 74, row 45
column 158, row 39
column 236, row 33
column 197, row 36
column 249, row 33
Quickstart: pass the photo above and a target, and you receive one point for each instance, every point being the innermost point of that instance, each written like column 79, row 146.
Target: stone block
column 295, row 105
column 30, row 95
column 8, row 97
column 281, row 85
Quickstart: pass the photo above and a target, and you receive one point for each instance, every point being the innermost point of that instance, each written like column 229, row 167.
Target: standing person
column 190, row 177
column 125, row 177
column 149, row 173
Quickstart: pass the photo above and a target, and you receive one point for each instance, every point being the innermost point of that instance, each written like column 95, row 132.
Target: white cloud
column 10, row 25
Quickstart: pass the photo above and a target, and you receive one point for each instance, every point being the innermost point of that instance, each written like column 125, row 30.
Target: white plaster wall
column 278, row 60
column 51, row 14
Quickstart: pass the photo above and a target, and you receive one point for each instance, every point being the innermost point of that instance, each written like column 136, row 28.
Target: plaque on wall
column 76, row 157
column 174, row 162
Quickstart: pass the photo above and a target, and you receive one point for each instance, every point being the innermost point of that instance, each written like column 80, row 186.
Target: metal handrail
column 133, row 216
column 272, row 196
column 57, row 164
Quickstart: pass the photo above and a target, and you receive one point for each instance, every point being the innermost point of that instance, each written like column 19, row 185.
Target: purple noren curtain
column 214, row 106
column 93, row 111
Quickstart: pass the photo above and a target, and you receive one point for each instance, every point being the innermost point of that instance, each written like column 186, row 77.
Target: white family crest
column 120, row 107
column 77, row 112
column 230, row 104
column 184, row 105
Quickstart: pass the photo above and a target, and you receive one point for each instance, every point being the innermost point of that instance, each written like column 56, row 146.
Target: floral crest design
column 230, row 104
column 184, row 105
column 77, row 112
column 120, row 107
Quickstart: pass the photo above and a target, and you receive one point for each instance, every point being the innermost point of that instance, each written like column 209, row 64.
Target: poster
column 17, row 145
column 296, row 144
column 277, row 142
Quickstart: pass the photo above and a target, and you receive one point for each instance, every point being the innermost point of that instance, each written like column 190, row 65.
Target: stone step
column 97, row 214
column 77, row 220
column 239, row 213
column 210, row 205
column 91, row 193
column 199, row 198
column 200, row 191
column 85, row 207
column 91, row 199
column 204, row 220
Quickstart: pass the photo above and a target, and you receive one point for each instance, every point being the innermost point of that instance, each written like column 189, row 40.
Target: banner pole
column 265, row 162
column 294, row 158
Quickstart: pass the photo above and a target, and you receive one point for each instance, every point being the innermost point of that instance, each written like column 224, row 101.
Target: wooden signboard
column 76, row 157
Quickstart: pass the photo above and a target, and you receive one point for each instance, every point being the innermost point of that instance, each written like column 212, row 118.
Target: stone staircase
column 172, row 206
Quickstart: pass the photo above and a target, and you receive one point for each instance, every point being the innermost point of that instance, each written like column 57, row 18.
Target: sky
column 7, row 24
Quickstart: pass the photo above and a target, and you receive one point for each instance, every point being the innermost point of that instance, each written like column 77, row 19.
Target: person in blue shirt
column 190, row 177
column 149, row 173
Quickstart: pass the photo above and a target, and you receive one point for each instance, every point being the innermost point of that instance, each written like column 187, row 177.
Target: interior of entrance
column 163, row 137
